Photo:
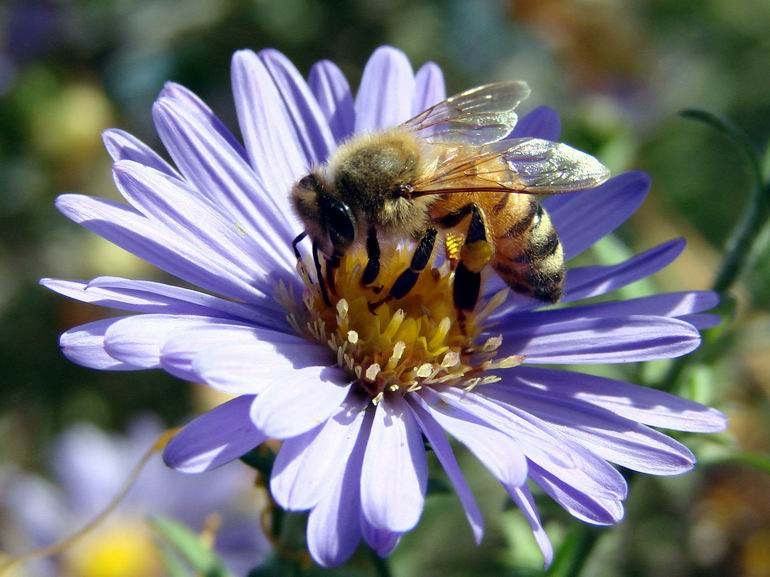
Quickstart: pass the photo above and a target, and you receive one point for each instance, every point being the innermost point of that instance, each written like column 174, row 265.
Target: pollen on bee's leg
column 401, row 344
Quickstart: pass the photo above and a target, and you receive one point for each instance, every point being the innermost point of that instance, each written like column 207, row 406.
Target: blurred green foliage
column 619, row 72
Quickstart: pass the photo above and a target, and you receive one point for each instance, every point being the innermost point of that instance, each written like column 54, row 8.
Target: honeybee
column 452, row 170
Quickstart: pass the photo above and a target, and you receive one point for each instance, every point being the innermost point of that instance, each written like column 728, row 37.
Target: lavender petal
column 385, row 97
column 590, row 281
column 543, row 444
column 274, row 147
column 601, row 340
column 429, row 88
column 215, row 438
column 443, row 450
column 543, row 122
column 382, row 541
column 154, row 297
column 254, row 362
column 673, row 305
column 203, row 113
column 137, row 340
column 642, row 404
column 602, row 432
column 583, row 218
column 332, row 91
column 131, row 231
column 84, row 345
column 267, row 313
column 702, row 321
column 394, row 475
column 499, row 453
column 220, row 174
column 587, row 508
column 180, row 350
column 526, row 504
column 124, row 146
column 303, row 468
column 290, row 407
column 307, row 119
column 333, row 529
column 194, row 219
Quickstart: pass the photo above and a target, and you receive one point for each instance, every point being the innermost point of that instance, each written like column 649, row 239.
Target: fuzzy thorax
column 405, row 344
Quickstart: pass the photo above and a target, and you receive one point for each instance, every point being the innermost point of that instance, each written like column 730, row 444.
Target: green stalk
column 381, row 566
column 739, row 245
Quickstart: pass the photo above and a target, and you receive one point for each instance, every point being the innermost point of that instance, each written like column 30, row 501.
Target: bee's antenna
column 296, row 241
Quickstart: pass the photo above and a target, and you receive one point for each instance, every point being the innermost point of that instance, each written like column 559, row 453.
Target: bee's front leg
column 407, row 279
column 332, row 264
column 373, row 254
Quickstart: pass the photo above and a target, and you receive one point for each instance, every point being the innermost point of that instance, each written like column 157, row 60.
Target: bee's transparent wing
column 524, row 165
column 481, row 115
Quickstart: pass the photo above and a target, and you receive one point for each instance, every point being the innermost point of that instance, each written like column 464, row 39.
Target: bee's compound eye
column 339, row 221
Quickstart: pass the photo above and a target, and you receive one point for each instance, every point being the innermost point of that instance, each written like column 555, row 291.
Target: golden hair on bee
column 452, row 169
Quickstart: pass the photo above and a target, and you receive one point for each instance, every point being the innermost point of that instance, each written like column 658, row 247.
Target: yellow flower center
column 405, row 344
column 120, row 549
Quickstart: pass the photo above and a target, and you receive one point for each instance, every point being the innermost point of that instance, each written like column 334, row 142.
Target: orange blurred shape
column 598, row 43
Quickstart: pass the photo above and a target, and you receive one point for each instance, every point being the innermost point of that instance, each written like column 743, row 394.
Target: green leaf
column 699, row 385
column 734, row 133
column 190, row 547
column 521, row 551
column 171, row 561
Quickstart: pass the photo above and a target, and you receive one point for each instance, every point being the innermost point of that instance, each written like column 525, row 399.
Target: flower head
column 89, row 467
column 352, row 392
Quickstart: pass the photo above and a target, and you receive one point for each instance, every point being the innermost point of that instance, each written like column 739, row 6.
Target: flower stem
column 740, row 243
column 746, row 231
column 381, row 566
column 574, row 553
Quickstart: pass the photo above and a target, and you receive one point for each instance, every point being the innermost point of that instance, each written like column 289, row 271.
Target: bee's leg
column 407, row 279
column 452, row 241
column 474, row 256
column 332, row 264
column 373, row 253
column 319, row 275
column 296, row 241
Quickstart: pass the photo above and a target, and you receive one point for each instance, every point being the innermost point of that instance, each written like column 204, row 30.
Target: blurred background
column 619, row 71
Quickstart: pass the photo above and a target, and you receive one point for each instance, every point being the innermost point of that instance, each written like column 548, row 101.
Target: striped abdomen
column 528, row 254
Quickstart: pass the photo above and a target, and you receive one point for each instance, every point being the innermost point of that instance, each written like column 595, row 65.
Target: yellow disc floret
column 403, row 344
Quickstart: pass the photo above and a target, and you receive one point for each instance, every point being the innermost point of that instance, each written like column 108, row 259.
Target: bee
column 453, row 171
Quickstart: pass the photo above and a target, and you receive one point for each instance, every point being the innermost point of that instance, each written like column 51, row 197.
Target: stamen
column 407, row 344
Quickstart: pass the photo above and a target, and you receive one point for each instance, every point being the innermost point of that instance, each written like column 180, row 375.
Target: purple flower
column 353, row 394
column 90, row 466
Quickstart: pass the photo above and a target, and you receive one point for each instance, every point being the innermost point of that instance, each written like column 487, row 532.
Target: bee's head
column 328, row 221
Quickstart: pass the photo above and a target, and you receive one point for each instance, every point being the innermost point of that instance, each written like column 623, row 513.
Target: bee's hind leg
column 476, row 252
column 407, row 279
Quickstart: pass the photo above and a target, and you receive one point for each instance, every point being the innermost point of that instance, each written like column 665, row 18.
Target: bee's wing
column 523, row 165
column 481, row 115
